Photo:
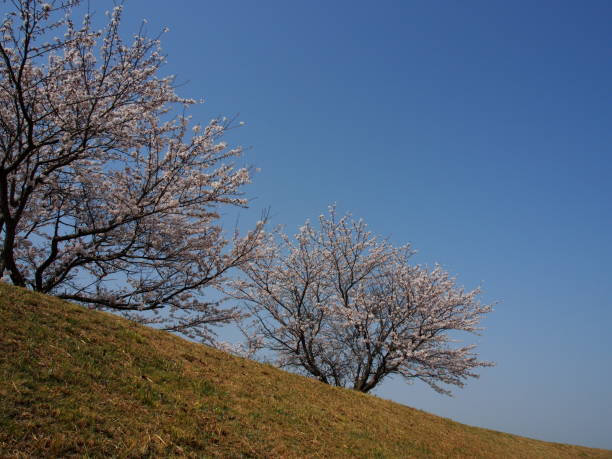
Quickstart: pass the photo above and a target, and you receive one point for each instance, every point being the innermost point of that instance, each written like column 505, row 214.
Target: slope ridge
column 75, row 382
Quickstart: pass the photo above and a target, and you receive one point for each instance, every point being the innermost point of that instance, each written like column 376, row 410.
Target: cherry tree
column 341, row 305
column 108, row 195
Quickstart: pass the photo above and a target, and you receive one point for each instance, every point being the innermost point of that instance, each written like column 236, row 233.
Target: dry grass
column 78, row 383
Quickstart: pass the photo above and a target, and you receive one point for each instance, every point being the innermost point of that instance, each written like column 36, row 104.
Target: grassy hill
column 75, row 382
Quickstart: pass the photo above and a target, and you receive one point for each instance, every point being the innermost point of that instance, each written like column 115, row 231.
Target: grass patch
column 80, row 383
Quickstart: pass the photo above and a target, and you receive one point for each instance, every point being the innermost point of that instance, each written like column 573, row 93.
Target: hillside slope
column 75, row 382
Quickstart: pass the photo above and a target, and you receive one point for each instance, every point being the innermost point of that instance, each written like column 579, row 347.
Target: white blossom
column 347, row 308
column 105, row 197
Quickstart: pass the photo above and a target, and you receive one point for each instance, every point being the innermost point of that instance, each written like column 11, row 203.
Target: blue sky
column 478, row 131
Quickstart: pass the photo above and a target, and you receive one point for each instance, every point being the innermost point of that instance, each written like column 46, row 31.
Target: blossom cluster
column 108, row 196
column 348, row 308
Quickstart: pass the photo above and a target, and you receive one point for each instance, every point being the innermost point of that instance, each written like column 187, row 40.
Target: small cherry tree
column 106, row 197
column 347, row 308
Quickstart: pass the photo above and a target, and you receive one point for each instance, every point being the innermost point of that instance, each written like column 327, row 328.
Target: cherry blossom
column 108, row 195
column 341, row 305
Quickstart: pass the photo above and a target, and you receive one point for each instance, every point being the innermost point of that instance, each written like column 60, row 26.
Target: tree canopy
column 108, row 194
column 347, row 308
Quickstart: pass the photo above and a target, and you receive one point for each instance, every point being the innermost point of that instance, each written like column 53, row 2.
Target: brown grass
column 79, row 383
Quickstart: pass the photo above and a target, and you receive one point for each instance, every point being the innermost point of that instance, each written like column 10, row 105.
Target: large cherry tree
column 108, row 195
column 341, row 305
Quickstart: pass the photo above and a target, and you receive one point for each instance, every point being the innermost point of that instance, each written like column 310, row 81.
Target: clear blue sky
column 478, row 131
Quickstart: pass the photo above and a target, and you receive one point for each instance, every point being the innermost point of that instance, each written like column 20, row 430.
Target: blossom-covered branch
column 106, row 197
column 345, row 307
